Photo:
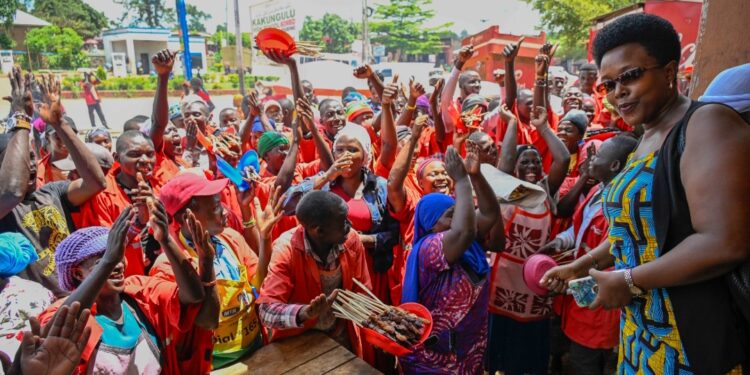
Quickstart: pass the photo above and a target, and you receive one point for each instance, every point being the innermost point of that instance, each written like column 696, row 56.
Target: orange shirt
column 294, row 278
column 158, row 300
column 527, row 135
column 46, row 172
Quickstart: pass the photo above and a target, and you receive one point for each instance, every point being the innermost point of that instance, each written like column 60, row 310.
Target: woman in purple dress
column 447, row 270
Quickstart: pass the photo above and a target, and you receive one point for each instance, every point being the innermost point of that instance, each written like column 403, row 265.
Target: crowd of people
column 187, row 244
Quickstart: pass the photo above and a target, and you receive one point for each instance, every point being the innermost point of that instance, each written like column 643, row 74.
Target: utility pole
column 365, row 34
column 226, row 23
column 238, row 47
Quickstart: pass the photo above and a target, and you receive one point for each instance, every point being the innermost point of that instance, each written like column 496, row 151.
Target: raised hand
column 252, row 103
column 51, row 109
column 541, row 64
column 58, row 351
column 20, row 95
column 390, row 93
column 200, row 236
column 159, row 220
column 539, row 117
column 435, row 96
column 464, row 54
column 267, row 218
column 506, row 114
column 415, row 89
column 511, row 51
column 548, row 49
column 304, row 109
column 454, row 165
column 472, row 159
column 279, row 57
column 163, row 61
column 363, row 72
column 419, row 124
column 317, row 306
column 117, row 238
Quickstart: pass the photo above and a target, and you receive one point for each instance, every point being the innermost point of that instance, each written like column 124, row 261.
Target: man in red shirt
column 93, row 102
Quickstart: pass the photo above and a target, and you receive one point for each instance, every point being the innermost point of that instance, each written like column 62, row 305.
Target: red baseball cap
column 176, row 193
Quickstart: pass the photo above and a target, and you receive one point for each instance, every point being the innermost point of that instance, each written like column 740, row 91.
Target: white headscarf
column 358, row 133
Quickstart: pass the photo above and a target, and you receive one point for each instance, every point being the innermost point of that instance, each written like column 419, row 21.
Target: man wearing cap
column 273, row 111
column 103, row 157
column 42, row 215
column 239, row 271
column 54, row 149
column 358, row 112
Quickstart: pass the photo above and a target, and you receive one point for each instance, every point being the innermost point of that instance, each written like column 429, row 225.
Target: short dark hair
column 286, row 104
column 134, row 123
column 465, row 76
column 654, row 33
column 494, row 103
column 126, row 137
column 623, row 145
column 195, row 81
column 346, row 91
column 225, row 110
column 318, row 207
column 477, row 136
column 326, row 103
column 588, row 66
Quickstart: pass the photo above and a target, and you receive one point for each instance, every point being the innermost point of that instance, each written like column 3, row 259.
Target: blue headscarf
column 258, row 125
column 429, row 210
column 16, row 253
column 730, row 87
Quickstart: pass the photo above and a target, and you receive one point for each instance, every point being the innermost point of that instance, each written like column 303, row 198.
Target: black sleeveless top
column 712, row 330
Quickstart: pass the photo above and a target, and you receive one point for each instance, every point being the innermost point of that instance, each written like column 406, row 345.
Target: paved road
column 116, row 110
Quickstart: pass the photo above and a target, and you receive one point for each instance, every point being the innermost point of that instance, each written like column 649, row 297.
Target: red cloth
column 46, row 172
column 293, row 278
column 158, row 300
column 89, row 92
column 204, row 95
column 596, row 329
column 359, row 213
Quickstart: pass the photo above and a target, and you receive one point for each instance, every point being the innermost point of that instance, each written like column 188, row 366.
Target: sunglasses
column 624, row 78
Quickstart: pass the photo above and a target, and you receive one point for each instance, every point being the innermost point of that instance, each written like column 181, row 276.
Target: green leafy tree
column 8, row 10
column 334, row 33
column 6, row 42
column 75, row 14
column 62, row 48
column 400, row 26
column 568, row 21
column 151, row 13
column 196, row 18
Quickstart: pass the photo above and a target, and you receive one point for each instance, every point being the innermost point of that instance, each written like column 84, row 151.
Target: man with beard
column 43, row 215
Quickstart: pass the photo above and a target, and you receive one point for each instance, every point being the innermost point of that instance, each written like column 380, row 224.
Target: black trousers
column 587, row 361
column 98, row 108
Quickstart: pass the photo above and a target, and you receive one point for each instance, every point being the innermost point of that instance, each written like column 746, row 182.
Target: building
column 138, row 45
column 22, row 24
column 489, row 44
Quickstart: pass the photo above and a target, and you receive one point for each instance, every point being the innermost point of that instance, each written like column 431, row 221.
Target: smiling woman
column 666, row 213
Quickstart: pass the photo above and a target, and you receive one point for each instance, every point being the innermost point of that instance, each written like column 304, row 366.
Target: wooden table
column 310, row 353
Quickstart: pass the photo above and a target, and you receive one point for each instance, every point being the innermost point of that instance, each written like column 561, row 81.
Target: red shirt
column 159, row 302
column 293, row 278
column 527, row 135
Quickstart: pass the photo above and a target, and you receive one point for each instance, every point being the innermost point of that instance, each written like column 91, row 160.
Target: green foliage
column 569, row 20
column 61, row 47
column 8, row 11
column 75, row 14
column 5, row 41
column 151, row 13
column 196, row 18
column 333, row 32
column 400, row 26
column 100, row 73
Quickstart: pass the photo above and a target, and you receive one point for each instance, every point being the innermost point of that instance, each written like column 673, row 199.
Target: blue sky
column 513, row 16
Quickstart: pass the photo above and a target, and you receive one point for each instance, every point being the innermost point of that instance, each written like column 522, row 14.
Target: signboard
column 279, row 14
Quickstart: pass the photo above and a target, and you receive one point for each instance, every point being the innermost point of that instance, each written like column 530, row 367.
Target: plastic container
column 231, row 173
column 534, row 268
column 393, row 347
column 275, row 39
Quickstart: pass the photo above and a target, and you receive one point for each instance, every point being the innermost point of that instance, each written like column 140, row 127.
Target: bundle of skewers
column 367, row 311
column 307, row 48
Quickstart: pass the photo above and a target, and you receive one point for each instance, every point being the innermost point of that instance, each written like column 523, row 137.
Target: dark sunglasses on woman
column 625, row 78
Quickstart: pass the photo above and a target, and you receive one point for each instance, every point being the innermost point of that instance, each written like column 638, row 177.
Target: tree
column 62, row 47
column 151, row 13
column 8, row 10
column 400, row 26
column 75, row 14
column 333, row 32
column 568, row 21
column 196, row 18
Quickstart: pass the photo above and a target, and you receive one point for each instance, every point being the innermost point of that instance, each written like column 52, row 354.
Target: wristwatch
column 634, row 290
column 18, row 121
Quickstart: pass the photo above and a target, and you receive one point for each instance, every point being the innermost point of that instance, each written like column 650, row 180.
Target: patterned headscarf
column 73, row 250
